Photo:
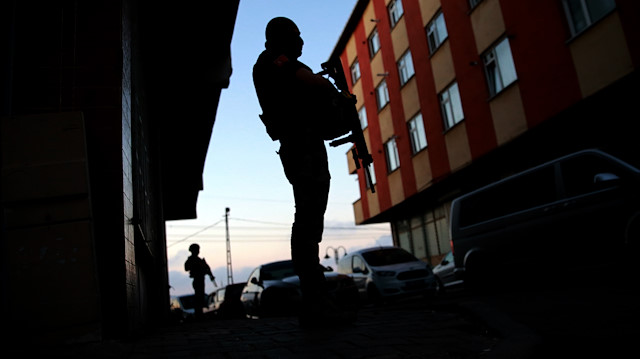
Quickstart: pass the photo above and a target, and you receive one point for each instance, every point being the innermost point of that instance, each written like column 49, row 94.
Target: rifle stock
column 360, row 153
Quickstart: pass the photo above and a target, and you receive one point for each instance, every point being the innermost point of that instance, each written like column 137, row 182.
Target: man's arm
column 316, row 80
column 207, row 271
column 360, row 152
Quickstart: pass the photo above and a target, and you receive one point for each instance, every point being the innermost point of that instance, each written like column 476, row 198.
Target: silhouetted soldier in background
column 291, row 97
column 198, row 269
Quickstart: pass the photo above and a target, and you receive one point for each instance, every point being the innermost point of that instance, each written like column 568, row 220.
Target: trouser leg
column 198, row 286
column 311, row 203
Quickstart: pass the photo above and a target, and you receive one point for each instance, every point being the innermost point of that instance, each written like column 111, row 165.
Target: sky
column 243, row 172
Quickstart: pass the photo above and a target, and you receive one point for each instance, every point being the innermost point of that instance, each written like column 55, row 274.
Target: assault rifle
column 359, row 152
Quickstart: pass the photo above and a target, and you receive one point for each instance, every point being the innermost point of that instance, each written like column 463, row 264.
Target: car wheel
column 440, row 289
column 373, row 294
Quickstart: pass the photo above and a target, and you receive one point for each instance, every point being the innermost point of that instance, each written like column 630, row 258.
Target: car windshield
column 383, row 257
column 277, row 271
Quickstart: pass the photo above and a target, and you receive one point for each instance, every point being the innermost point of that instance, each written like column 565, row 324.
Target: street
column 599, row 320
column 559, row 321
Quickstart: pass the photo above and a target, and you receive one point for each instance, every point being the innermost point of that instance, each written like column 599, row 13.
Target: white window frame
column 391, row 153
column 436, row 32
column 355, row 71
column 405, row 68
column 417, row 134
column 451, row 105
column 374, row 43
column 362, row 115
column 585, row 13
column 372, row 173
column 395, row 12
column 499, row 67
column 382, row 94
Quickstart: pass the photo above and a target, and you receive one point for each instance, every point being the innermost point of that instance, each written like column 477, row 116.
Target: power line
column 221, row 241
column 196, row 233
column 265, row 237
column 283, row 237
column 288, row 225
column 258, row 221
column 282, row 234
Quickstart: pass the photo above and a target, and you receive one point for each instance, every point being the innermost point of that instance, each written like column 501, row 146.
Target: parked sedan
column 386, row 272
column 445, row 273
column 273, row 289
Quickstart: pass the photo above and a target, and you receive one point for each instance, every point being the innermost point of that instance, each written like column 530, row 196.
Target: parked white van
column 583, row 208
column 386, row 272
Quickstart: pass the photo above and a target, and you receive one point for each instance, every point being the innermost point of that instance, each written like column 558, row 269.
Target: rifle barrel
column 341, row 141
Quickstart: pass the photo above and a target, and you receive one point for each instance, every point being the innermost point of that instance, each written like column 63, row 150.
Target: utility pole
column 229, row 269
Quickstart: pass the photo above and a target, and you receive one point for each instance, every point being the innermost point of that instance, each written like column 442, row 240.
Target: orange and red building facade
column 479, row 89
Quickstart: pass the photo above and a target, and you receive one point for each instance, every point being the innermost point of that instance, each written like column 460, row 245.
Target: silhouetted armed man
column 198, row 269
column 291, row 96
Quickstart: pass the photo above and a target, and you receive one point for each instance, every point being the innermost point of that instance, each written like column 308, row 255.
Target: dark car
column 273, row 289
column 226, row 302
column 445, row 273
column 182, row 307
column 583, row 208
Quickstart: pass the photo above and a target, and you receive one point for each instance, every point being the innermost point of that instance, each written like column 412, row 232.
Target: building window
column 499, row 67
column 451, row 106
column 372, row 173
column 391, row 152
column 362, row 115
column 583, row 13
column 382, row 95
column 374, row 43
column 474, row 3
column 437, row 230
column 436, row 32
column 355, row 71
column 417, row 134
column 395, row 12
column 405, row 68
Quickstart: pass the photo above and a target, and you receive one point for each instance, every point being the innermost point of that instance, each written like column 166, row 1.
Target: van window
column 358, row 264
column 388, row 256
column 516, row 194
column 579, row 175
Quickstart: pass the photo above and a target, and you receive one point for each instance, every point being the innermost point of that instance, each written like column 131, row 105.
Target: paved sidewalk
column 411, row 329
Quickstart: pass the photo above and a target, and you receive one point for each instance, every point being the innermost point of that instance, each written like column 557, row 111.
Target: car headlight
column 385, row 273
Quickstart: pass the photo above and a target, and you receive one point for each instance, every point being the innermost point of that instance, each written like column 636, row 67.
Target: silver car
column 386, row 272
column 273, row 289
column 445, row 273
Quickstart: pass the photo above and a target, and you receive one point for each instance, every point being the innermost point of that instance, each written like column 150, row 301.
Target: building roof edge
column 349, row 27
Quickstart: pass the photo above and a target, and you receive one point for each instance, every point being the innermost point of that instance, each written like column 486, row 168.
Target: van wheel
column 631, row 241
column 478, row 275
column 374, row 295
column 632, row 231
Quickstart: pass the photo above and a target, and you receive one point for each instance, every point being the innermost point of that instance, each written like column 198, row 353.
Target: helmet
column 194, row 248
column 281, row 28
column 283, row 36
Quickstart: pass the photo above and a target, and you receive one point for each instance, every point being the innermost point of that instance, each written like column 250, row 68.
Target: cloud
column 180, row 283
column 176, row 262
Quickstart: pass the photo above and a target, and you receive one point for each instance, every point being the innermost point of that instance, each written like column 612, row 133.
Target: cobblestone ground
column 408, row 329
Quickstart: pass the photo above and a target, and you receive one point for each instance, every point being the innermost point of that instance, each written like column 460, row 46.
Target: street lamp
column 335, row 252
